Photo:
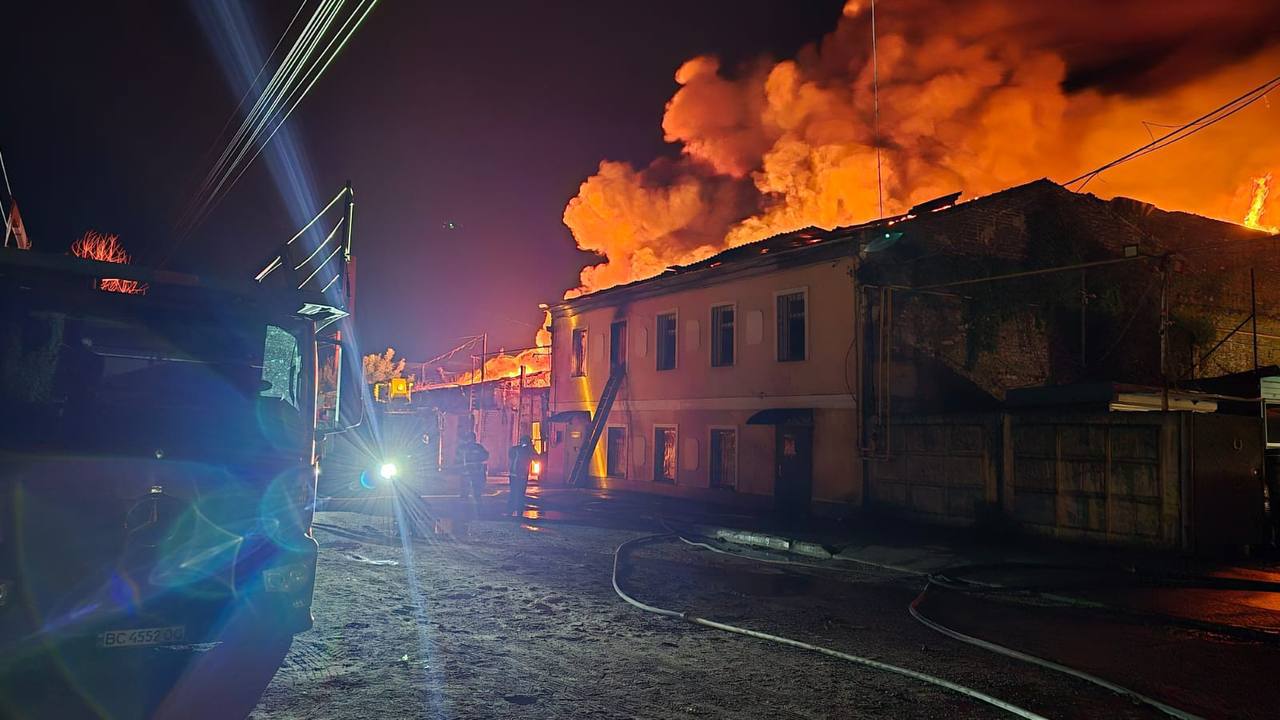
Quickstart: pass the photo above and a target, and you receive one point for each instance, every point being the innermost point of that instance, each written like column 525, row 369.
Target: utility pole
column 519, row 407
column 1253, row 318
column 1257, row 372
column 484, row 358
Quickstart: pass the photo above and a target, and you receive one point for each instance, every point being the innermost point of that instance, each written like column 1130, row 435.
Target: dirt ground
column 519, row 619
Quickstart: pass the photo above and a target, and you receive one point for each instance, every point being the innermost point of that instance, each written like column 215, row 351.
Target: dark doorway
column 1227, row 494
column 618, row 345
column 793, row 481
column 615, row 453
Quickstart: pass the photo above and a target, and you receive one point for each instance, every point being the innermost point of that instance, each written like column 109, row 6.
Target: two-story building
column 875, row 365
column 738, row 377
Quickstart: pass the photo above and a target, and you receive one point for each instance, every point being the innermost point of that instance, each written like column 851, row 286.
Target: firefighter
column 470, row 459
column 520, row 459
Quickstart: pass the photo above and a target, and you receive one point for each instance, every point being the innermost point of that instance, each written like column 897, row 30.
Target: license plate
column 136, row 637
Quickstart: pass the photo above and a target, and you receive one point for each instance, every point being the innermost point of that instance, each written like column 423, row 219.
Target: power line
column 311, row 54
column 333, row 56
column 267, row 105
column 1210, row 118
column 254, row 83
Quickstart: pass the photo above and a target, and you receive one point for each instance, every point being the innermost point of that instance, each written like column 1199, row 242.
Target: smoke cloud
column 974, row 96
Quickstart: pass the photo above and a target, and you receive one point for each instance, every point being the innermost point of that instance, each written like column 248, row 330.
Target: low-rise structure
column 791, row 372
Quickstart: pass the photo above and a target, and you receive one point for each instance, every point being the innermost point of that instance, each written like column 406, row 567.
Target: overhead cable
column 1210, row 118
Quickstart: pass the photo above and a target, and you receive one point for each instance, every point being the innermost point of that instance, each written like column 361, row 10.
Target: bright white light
column 388, row 470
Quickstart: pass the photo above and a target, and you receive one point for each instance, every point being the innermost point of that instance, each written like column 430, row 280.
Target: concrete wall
column 1110, row 478
column 697, row 397
column 1106, row 478
column 939, row 469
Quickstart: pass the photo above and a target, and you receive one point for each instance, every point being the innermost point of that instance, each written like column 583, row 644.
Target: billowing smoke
column 974, row 96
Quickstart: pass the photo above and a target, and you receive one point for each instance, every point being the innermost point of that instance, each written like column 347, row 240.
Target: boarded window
column 664, row 454
column 755, row 327
column 666, row 331
column 722, row 335
column 638, row 448
column 690, row 454
column 579, row 353
column 615, row 453
column 791, row 327
column 724, row 458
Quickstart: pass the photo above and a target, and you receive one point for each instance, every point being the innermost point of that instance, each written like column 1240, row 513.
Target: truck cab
column 158, row 463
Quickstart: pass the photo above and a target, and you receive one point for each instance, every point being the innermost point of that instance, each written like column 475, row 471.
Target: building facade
column 737, row 380
column 874, row 366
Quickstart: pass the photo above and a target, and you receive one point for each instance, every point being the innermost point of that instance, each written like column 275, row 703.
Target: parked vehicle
column 157, row 468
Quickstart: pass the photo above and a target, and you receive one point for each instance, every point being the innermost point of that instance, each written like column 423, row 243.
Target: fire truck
column 158, row 463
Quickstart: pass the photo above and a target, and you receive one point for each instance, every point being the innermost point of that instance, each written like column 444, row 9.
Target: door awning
column 782, row 416
column 565, row 416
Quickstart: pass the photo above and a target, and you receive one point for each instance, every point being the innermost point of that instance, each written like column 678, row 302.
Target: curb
column 773, row 542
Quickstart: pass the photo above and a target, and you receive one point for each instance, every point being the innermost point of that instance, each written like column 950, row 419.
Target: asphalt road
column 518, row 619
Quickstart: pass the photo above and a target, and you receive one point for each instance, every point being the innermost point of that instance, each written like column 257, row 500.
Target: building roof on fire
column 990, row 226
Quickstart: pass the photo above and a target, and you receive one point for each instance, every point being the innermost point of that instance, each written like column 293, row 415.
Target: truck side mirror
column 339, row 381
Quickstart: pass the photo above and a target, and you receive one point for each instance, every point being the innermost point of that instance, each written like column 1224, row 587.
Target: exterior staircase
column 578, row 475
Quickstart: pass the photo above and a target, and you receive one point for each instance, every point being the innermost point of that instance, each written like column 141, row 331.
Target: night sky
column 484, row 115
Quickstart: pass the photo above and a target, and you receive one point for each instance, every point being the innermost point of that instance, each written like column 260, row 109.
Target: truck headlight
column 388, row 471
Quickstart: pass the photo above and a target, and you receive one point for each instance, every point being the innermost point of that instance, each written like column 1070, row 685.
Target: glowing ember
column 94, row 245
column 1253, row 218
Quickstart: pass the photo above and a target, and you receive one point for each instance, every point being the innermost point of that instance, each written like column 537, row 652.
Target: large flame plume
column 973, row 96
column 105, row 247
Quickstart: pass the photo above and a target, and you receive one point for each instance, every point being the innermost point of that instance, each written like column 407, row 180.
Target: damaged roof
column 991, row 226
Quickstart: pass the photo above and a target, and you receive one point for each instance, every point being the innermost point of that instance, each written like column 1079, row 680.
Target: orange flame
column 974, row 96
column 103, row 247
column 1257, row 206
column 534, row 361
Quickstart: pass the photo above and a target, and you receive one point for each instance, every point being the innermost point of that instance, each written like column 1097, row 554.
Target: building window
column 791, row 326
column 579, row 368
column 724, row 458
column 664, row 453
column 615, row 453
column 722, row 335
column 618, row 345
column 535, row 434
column 667, row 341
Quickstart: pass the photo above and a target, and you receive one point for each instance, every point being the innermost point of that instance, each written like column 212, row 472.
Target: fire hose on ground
column 856, row 659
column 914, row 610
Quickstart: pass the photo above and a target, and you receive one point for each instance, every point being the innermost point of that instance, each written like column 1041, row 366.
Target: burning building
column 499, row 411
column 1046, row 356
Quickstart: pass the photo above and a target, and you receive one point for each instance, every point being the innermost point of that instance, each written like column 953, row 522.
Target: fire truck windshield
column 149, row 381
